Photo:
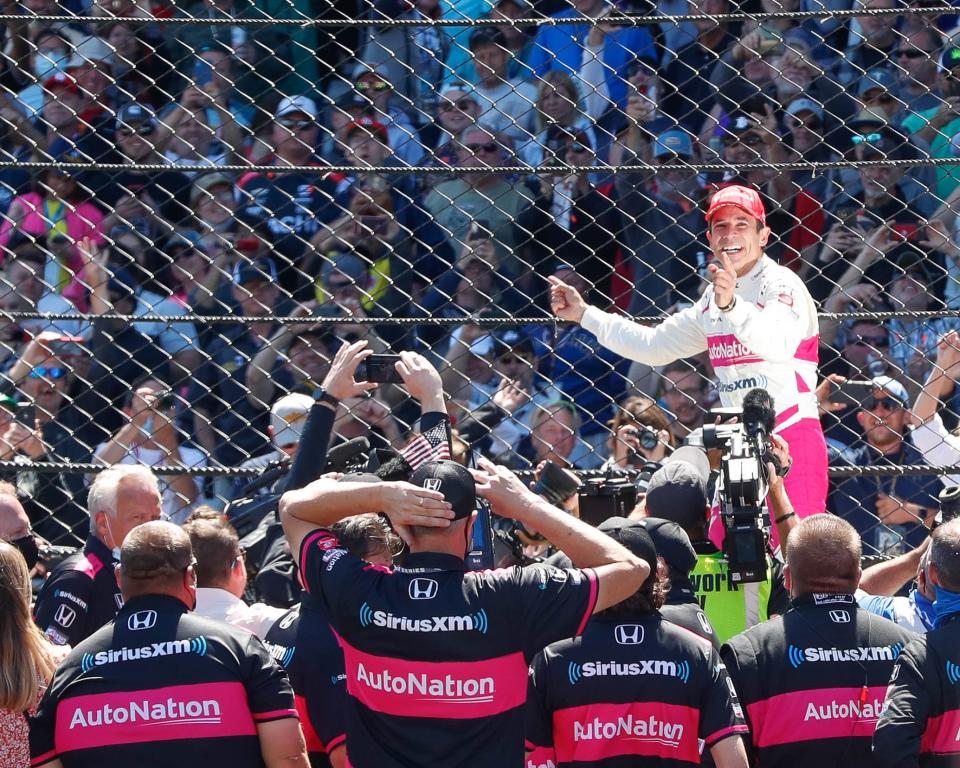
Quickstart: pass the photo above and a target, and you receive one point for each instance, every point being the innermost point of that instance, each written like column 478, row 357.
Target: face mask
column 46, row 65
column 28, row 548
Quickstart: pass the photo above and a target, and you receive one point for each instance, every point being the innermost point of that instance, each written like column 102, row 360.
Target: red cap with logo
column 744, row 198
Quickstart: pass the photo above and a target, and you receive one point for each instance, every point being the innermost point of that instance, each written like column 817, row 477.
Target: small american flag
column 431, row 445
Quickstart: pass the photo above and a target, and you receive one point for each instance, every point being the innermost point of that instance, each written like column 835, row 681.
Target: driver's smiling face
column 735, row 234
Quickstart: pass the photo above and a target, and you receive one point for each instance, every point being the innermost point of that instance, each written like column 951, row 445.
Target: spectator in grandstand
column 873, row 44
column 61, row 211
column 472, row 197
column 288, row 417
column 214, row 205
column 774, row 669
column 458, row 108
column 639, row 432
column 81, row 594
column 564, row 708
column 232, row 692
column 893, row 513
column 584, row 374
column 507, row 106
column 683, row 392
column 61, row 123
column 935, row 127
column 596, row 54
column 409, row 57
column 297, row 204
column 939, row 447
column 18, row 141
column 916, row 59
column 519, row 39
column 804, row 120
column 661, row 218
column 49, row 56
column 744, row 75
column 294, row 359
column 221, row 570
column 558, row 114
column 412, row 507
column 916, row 724
column 141, row 65
column 554, row 435
column 641, row 118
column 373, row 84
column 876, row 90
column 28, row 658
column 678, row 492
column 90, row 64
column 572, row 220
column 151, row 437
column 227, row 426
column 193, row 142
column 690, row 95
column 24, row 263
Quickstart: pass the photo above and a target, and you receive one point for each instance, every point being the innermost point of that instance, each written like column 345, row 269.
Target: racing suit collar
column 162, row 603
column 96, row 547
column 431, row 561
column 823, row 598
column 754, row 274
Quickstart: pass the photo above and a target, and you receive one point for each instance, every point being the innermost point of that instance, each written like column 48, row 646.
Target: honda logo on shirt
column 839, row 617
column 141, row 620
column 628, row 634
column 65, row 616
column 422, row 589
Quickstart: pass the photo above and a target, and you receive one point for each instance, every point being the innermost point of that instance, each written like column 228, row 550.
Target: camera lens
column 648, row 439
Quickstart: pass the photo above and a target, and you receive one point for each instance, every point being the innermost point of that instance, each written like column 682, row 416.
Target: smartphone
column 164, row 400
column 381, row 369
column 202, row 73
column 27, row 415
column 852, row 393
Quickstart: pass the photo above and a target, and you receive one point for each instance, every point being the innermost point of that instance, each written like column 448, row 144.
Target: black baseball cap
column 672, row 543
column 453, row 481
column 633, row 535
column 680, row 485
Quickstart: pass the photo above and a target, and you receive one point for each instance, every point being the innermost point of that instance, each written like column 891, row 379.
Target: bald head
column 823, row 555
column 944, row 556
column 156, row 558
column 14, row 523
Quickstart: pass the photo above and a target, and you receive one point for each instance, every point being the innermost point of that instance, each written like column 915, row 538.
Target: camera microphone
column 759, row 415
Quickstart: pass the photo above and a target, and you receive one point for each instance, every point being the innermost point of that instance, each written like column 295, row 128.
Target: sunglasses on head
column 379, row 85
column 41, row 372
column 888, row 403
column 299, row 125
column 490, row 146
column 750, row 140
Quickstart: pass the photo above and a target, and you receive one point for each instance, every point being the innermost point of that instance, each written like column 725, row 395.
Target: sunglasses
column 41, row 372
column 379, row 85
column 888, row 403
column 910, row 53
column 490, row 146
column 810, row 125
column 868, row 138
column 143, row 130
column 298, row 125
column 873, row 341
column 461, row 104
column 750, row 140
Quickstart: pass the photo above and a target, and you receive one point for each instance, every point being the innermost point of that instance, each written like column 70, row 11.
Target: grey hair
column 103, row 491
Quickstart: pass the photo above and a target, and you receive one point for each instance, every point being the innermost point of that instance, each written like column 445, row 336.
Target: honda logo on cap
column 628, row 634
column 65, row 616
column 839, row 617
column 422, row 589
column 141, row 620
column 432, row 483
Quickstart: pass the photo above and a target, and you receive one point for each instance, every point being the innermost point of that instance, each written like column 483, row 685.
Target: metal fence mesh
column 207, row 199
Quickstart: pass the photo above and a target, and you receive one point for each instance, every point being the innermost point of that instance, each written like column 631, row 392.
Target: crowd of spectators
column 154, row 227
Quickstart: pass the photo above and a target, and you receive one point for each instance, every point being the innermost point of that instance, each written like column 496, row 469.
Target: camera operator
column 678, row 492
column 429, row 634
column 880, row 584
column 633, row 666
column 640, row 433
column 756, row 321
column 812, row 681
column 919, row 721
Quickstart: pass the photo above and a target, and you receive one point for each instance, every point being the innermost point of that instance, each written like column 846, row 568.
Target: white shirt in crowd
column 220, row 605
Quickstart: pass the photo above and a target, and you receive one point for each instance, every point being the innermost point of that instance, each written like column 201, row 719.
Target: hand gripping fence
column 200, row 202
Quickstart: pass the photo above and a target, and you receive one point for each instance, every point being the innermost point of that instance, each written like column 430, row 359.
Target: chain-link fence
column 201, row 202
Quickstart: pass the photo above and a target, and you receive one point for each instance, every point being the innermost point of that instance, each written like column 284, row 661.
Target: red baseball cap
column 369, row 126
column 61, row 82
column 744, row 198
